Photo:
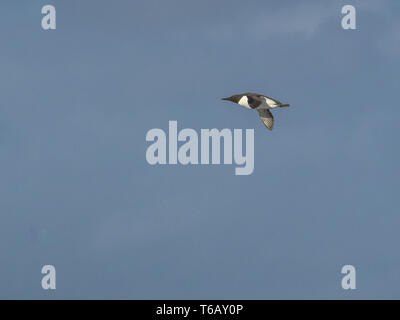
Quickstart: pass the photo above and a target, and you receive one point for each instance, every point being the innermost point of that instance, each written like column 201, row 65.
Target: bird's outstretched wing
column 267, row 118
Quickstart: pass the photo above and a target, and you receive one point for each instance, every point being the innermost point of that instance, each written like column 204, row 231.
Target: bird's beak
column 228, row 99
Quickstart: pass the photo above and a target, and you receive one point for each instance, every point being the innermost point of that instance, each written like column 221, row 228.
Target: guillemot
column 261, row 103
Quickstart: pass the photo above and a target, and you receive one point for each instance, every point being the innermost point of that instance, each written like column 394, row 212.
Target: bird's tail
column 284, row 105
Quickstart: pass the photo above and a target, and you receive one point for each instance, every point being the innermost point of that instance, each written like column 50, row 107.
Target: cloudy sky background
column 77, row 192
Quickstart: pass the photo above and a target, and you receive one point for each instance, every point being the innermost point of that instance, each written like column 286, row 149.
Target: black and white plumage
column 261, row 103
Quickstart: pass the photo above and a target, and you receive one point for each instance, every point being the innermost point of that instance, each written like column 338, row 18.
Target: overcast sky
column 76, row 191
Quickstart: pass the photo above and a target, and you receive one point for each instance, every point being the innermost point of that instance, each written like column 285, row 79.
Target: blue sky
column 77, row 192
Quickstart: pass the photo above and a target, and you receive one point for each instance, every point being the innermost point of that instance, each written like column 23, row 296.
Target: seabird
column 261, row 103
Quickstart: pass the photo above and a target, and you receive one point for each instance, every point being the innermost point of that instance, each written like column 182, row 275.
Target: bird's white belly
column 244, row 103
column 270, row 104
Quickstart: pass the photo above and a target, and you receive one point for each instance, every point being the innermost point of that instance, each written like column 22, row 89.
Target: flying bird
column 261, row 103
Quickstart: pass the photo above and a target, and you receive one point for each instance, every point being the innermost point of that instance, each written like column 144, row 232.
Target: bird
column 261, row 103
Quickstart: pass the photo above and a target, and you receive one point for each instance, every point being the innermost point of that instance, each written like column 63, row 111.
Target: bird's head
column 235, row 98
